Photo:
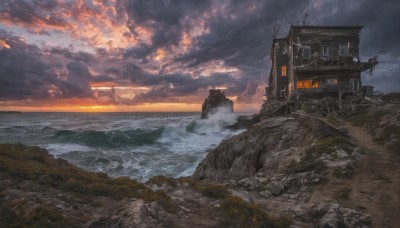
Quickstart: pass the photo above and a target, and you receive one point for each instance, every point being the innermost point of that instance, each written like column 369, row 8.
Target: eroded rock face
column 279, row 162
column 264, row 146
column 215, row 100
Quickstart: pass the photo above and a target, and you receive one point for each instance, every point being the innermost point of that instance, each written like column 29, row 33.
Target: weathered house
column 317, row 60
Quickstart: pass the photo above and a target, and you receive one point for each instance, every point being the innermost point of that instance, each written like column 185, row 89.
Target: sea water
column 137, row 145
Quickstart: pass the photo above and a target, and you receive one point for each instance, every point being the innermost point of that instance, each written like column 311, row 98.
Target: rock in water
column 215, row 99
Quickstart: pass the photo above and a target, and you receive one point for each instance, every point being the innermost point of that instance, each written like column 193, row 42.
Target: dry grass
column 20, row 162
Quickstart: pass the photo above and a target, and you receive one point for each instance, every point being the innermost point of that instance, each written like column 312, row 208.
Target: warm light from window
column 283, row 68
column 315, row 85
column 304, row 84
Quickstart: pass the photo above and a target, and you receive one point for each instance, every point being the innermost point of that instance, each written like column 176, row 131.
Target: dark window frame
column 308, row 48
column 325, row 50
column 344, row 47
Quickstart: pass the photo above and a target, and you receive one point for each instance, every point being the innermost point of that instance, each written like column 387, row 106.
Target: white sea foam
column 183, row 139
column 183, row 143
column 58, row 149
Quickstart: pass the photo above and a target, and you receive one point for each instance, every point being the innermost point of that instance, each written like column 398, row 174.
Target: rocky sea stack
column 216, row 99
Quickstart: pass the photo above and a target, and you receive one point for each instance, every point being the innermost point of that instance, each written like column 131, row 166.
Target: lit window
column 344, row 49
column 283, row 70
column 306, row 52
column 325, row 50
column 304, row 84
column 331, row 81
column 300, row 84
column 315, row 85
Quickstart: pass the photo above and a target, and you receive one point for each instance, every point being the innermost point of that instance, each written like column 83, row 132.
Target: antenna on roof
column 305, row 20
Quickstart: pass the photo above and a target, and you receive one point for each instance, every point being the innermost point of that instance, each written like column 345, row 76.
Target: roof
column 279, row 39
column 325, row 27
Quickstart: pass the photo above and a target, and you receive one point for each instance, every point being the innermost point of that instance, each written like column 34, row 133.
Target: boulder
column 275, row 188
column 216, row 99
column 333, row 218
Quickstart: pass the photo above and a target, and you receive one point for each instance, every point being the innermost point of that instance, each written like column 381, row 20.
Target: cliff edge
column 322, row 168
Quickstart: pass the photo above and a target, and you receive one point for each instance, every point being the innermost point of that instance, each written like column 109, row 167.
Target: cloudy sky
column 164, row 55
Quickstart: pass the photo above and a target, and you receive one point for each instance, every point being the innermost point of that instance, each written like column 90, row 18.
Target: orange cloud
column 160, row 54
column 3, row 44
column 100, row 25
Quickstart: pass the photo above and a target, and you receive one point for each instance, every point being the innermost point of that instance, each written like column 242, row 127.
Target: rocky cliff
column 216, row 99
column 317, row 168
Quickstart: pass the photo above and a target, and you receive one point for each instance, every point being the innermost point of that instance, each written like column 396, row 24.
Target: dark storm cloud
column 77, row 56
column 166, row 12
column 163, row 87
column 380, row 35
column 27, row 13
column 77, row 83
column 25, row 73
column 381, row 29
column 137, row 76
column 139, row 52
column 165, row 17
column 239, row 35
column 22, row 74
column 169, row 87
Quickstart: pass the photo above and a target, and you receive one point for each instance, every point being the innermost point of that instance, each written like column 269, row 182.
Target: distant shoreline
column 9, row 112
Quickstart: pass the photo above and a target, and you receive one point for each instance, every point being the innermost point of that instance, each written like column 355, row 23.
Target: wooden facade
column 317, row 59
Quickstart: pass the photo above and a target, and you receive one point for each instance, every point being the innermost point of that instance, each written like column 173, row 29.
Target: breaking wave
column 109, row 139
column 123, row 144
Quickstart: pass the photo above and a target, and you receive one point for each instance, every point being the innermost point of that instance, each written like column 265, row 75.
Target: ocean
column 137, row 145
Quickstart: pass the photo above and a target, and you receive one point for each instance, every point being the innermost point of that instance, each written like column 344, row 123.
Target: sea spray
column 138, row 145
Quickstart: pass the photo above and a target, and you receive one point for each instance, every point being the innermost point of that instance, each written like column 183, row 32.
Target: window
column 283, row 71
column 354, row 85
column 306, row 52
column 331, row 81
column 325, row 50
column 344, row 49
column 282, row 92
column 307, row 84
column 304, row 84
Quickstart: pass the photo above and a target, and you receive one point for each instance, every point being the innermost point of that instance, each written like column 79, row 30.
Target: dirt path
column 375, row 188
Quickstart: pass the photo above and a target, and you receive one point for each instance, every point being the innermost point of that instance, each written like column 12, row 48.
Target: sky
column 164, row 55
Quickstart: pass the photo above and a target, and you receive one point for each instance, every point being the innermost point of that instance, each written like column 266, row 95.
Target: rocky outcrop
column 271, row 145
column 245, row 154
column 279, row 162
column 216, row 99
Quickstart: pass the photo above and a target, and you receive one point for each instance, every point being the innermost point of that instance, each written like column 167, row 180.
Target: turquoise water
column 138, row 145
